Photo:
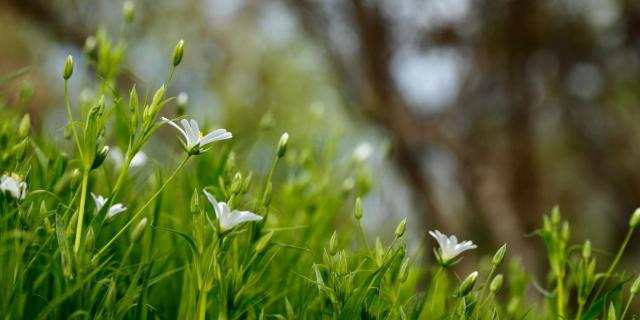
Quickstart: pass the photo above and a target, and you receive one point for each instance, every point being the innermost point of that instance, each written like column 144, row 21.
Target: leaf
column 598, row 306
column 181, row 234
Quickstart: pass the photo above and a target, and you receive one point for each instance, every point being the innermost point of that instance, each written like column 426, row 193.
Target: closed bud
column 138, row 231
column 499, row 255
column 90, row 240
column 100, row 157
column 90, row 47
column 635, row 219
column 263, row 242
column 635, row 287
column 333, row 244
column 342, row 266
column 236, row 184
column 289, row 309
column 611, row 315
column 467, row 285
column 546, row 223
column 25, row 126
column 403, row 274
column 68, row 68
column 555, row 215
column 357, row 211
column 266, row 197
column 75, row 176
column 128, row 11
column 586, row 250
column 496, row 284
column 178, row 51
column 67, row 133
column 195, row 201
column 247, row 183
column 110, row 296
column 402, row 226
column 43, row 209
column 565, row 231
column 282, row 145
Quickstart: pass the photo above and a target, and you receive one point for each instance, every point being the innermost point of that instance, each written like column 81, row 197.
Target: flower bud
column 289, row 309
column 611, row 315
column 499, row 255
column 468, row 284
column 110, row 296
column 90, row 240
column 635, row 219
column 496, row 284
column 357, row 211
column 139, row 229
column 90, row 46
column 195, row 201
column 342, row 266
column 402, row 226
column 586, row 250
column 282, row 145
column 333, row 244
column 236, row 184
column 68, row 68
column 555, row 215
column 403, row 274
column 128, row 11
column 263, row 242
column 178, row 51
column 181, row 103
column 635, row 287
column 100, row 157
column 25, row 126
column 565, row 231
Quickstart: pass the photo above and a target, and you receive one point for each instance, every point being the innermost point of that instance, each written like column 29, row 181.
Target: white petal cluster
column 116, row 156
column 14, row 185
column 113, row 210
column 194, row 141
column 449, row 247
column 228, row 218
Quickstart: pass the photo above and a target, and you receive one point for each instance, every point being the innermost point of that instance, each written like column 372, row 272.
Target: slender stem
column 626, row 308
column 484, row 289
column 71, row 121
column 560, row 295
column 141, row 210
column 364, row 236
column 83, row 199
column 581, row 309
column 614, row 263
column 435, row 289
column 202, row 305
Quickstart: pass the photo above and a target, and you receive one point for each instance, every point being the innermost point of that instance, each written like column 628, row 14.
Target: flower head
column 449, row 247
column 194, row 141
column 13, row 184
column 113, row 210
column 228, row 218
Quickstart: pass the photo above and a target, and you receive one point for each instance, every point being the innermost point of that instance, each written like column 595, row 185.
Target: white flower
column 14, row 185
column 229, row 219
column 449, row 247
column 117, row 157
column 194, row 140
column 113, row 210
column 362, row 152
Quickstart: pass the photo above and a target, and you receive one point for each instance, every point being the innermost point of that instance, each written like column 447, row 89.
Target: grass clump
column 98, row 229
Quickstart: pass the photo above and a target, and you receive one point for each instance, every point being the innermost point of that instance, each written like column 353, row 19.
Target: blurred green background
column 474, row 116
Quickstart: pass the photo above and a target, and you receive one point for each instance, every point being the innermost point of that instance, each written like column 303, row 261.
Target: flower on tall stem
column 113, row 210
column 230, row 218
column 194, row 140
column 449, row 248
column 14, row 185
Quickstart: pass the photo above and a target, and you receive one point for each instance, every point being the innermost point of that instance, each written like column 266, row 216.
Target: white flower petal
column 213, row 202
column 173, row 124
column 216, row 135
column 115, row 209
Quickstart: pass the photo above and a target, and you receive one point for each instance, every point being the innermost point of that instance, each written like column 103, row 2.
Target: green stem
column 83, row 199
column 71, row 121
column 560, row 296
column 435, row 290
column 580, row 309
column 364, row 236
column 202, row 305
column 614, row 263
column 626, row 308
column 484, row 287
column 141, row 210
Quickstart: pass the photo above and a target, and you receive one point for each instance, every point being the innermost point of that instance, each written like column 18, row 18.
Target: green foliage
column 64, row 256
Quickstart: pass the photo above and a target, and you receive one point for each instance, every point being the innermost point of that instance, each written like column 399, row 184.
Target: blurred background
column 474, row 117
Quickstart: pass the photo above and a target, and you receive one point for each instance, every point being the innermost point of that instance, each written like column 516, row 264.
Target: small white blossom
column 194, row 141
column 116, row 156
column 113, row 210
column 362, row 152
column 14, row 185
column 229, row 219
column 449, row 247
